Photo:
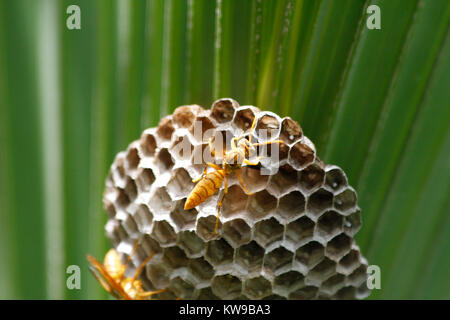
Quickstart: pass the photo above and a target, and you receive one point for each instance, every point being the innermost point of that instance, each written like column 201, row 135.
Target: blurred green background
column 375, row 102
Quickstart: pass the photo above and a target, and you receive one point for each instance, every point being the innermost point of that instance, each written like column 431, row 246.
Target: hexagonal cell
column 346, row 293
column 278, row 260
column 122, row 199
column 184, row 116
column 363, row 291
column 130, row 189
column 192, row 245
column 223, row 110
column 180, row 184
column 132, row 159
column 349, row 262
column 301, row 155
column 205, row 294
column 205, row 228
column 147, row 285
column 300, row 230
column 290, row 130
column 122, row 233
column 143, row 217
column 184, row 219
column 291, row 205
column 182, row 148
column 310, row 254
column 160, row 201
column 250, row 256
column 163, row 232
column 333, row 284
column 335, row 178
column 226, row 286
column 257, row 288
column 234, row 202
column 339, row 246
column 345, row 200
column 283, row 180
column 319, row 201
column 358, row 276
column 243, row 118
column 165, row 128
column 305, row 293
column 261, row 204
column 281, row 148
column 287, row 282
column 329, row 224
column 237, row 232
column 268, row 231
column 323, row 270
column 145, row 179
column 110, row 209
column 201, row 269
column 181, row 288
column 352, row 223
column 130, row 225
column 147, row 144
column 267, row 127
column 113, row 236
column 253, row 179
column 202, row 129
column 118, row 168
column 219, row 252
column 174, row 257
column 159, row 275
column 164, row 160
column 150, row 245
column 311, row 177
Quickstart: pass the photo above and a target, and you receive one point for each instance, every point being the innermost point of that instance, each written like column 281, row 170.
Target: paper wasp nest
column 292, row 239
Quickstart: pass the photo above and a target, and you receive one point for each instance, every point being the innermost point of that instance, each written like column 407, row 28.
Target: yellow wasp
column 111, row 275
column 209, row 183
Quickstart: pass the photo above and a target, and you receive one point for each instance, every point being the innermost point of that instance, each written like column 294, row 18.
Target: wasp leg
column 241, row 182
column 143, row 264
column 213, row 150
column 250, row 163
column 233, row 143
column 251, row 129
column 268, row 142
column 211, row 147
column 212, row 165
column 131, row 255
column 208, row 164
column 150, row 293
column 219, row 205
column 202, row 175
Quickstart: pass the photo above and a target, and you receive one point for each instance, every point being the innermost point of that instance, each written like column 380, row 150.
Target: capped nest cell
column 293, row 238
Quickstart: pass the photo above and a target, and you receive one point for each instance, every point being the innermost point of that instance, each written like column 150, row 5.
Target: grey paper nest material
column 292, row 239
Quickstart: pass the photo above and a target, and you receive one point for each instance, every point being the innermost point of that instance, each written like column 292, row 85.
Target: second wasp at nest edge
column 111, row 276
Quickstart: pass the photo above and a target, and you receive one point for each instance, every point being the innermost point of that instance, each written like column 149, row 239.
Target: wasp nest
column 291, row 239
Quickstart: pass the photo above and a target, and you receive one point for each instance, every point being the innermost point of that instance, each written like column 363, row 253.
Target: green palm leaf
column 375, row 102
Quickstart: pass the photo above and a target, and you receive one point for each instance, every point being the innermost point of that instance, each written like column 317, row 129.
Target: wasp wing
column 106, row 281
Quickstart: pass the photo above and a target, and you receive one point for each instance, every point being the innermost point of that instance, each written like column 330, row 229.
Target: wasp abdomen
column 205, row 188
